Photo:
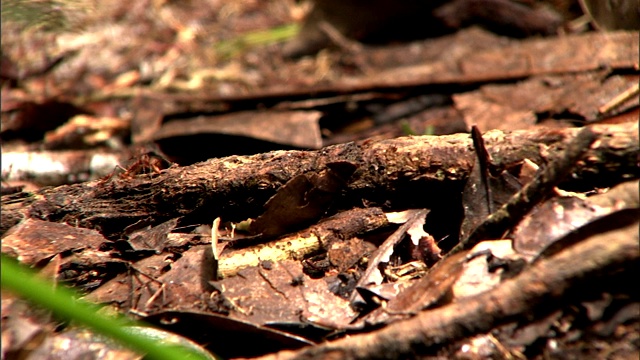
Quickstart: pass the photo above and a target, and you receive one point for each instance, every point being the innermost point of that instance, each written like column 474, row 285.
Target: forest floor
column 467, row 194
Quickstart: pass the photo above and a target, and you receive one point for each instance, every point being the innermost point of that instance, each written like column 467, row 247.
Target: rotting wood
column 236, row 187
column 344, row 225
column 550, row 280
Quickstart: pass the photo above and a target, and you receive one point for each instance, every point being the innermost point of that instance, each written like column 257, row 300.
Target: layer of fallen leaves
column 124, row 89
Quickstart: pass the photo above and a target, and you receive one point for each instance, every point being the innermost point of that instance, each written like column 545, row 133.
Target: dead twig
column 344, row 225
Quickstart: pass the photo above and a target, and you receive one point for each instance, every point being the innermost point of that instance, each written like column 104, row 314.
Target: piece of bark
column 582, row 52
column 236, row 187
column 429, row 290
column 519, row 105
column 556, row 218
column 538, row 289
column 295, row 128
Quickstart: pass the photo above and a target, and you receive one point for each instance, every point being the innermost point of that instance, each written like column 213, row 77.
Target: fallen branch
column 344, row 225
column 236, row 187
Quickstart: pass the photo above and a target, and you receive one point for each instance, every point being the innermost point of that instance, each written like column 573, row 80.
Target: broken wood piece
column 344, row 225
column 631, row 91
column 572, row 53
column 215, row 247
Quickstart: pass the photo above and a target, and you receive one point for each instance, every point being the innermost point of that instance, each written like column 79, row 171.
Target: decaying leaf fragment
column 487, row 188
column 34, row 242
column 556, row 218
column 415, row 220
column 522, row 202
column 218, row 332
column 302, row 199
column 278, row 293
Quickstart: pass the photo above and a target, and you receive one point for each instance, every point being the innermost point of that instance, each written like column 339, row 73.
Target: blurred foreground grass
column 231, row 47
column 63, row 303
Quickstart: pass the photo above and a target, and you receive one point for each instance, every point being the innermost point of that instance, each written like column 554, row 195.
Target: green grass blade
column 63, row 303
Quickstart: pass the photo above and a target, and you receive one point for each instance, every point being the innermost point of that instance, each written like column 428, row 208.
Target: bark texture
column 414, row 171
